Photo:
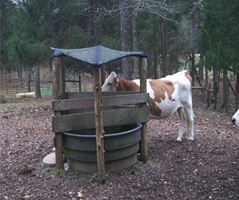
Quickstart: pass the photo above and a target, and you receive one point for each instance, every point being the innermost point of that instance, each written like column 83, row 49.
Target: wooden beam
column 110, row 118
column 143, row 89
column 75, row 95
column 99, row 127
column 116, row 100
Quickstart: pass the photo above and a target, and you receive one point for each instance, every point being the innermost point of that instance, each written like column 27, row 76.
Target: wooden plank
column 82, row 103
column 72, row 104
column 118, row 93
column 110, row 118
column 75, row 95
column 136, row 98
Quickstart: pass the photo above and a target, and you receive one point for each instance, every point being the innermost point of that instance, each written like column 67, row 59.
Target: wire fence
column 13, row 85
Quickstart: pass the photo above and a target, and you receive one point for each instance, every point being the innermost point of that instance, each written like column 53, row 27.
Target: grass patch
column 56, row 172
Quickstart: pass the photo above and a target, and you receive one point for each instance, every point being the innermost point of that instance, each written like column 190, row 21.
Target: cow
column 235, row 118
column 166, row 96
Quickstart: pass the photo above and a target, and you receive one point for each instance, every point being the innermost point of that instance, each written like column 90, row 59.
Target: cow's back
column 169, row 93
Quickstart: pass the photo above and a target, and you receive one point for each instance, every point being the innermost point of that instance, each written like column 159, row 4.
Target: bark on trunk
column 225, row 88
column 201, row 77
column 193, row 52
column 164, row 48
column 93, row 22
column 125, row 39
column 37, row 82
column 135, row 45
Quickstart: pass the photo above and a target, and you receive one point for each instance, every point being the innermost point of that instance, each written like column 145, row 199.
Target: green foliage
column 219, row 33
column 7, row 8
column 31, row 27
column 25, row 49
column 47, row 169
column 57, row 172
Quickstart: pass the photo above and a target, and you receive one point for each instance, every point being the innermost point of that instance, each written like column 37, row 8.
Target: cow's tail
column 188, row 126
column 185, row 118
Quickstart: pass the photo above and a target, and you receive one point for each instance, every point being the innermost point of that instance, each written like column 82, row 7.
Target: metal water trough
column 121, row 148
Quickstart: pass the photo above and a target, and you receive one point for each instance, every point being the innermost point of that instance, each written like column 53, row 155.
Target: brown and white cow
column 167, row 95
column 235, row 118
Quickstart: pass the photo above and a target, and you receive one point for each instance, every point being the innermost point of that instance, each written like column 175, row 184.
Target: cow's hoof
column 179, row 140
column 190, row 138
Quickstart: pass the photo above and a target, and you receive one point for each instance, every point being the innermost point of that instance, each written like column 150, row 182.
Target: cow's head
column 235, row 118
column 111, row 83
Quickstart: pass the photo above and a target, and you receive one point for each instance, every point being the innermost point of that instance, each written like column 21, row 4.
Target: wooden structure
column 85, row 110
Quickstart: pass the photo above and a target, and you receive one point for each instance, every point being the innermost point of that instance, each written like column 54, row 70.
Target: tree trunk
column 206, row 77
column 93, row 23
column 193, row 45
column 135, row 45
column 216, row 79
column 125, row 37
column 156, row 75
column 225, row 88
column 19, row 69
column 237, row 92
column 155, row 66
column 201, row 77
column 193, row 67
column 28, row 81
column 37, row 82
column 164, row 48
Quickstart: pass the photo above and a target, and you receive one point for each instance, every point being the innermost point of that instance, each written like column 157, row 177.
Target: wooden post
column 56, row 63
column 99, row 128
column 143, row 89
column 62, row 79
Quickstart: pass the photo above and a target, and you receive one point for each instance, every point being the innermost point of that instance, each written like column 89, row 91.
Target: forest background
column 199, row 35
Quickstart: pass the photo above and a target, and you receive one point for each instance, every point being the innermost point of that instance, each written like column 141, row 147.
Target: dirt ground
column 206, row 168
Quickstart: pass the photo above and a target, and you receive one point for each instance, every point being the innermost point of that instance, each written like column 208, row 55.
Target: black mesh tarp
column 97, row 55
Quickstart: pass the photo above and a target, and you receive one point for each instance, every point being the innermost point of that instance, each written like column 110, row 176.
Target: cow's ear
column 113, row 74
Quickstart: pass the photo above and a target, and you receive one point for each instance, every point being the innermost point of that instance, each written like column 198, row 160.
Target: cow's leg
column 181, row 124
column 189, row 114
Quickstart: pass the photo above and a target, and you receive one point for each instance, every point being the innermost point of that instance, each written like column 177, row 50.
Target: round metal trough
column 121, row 145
